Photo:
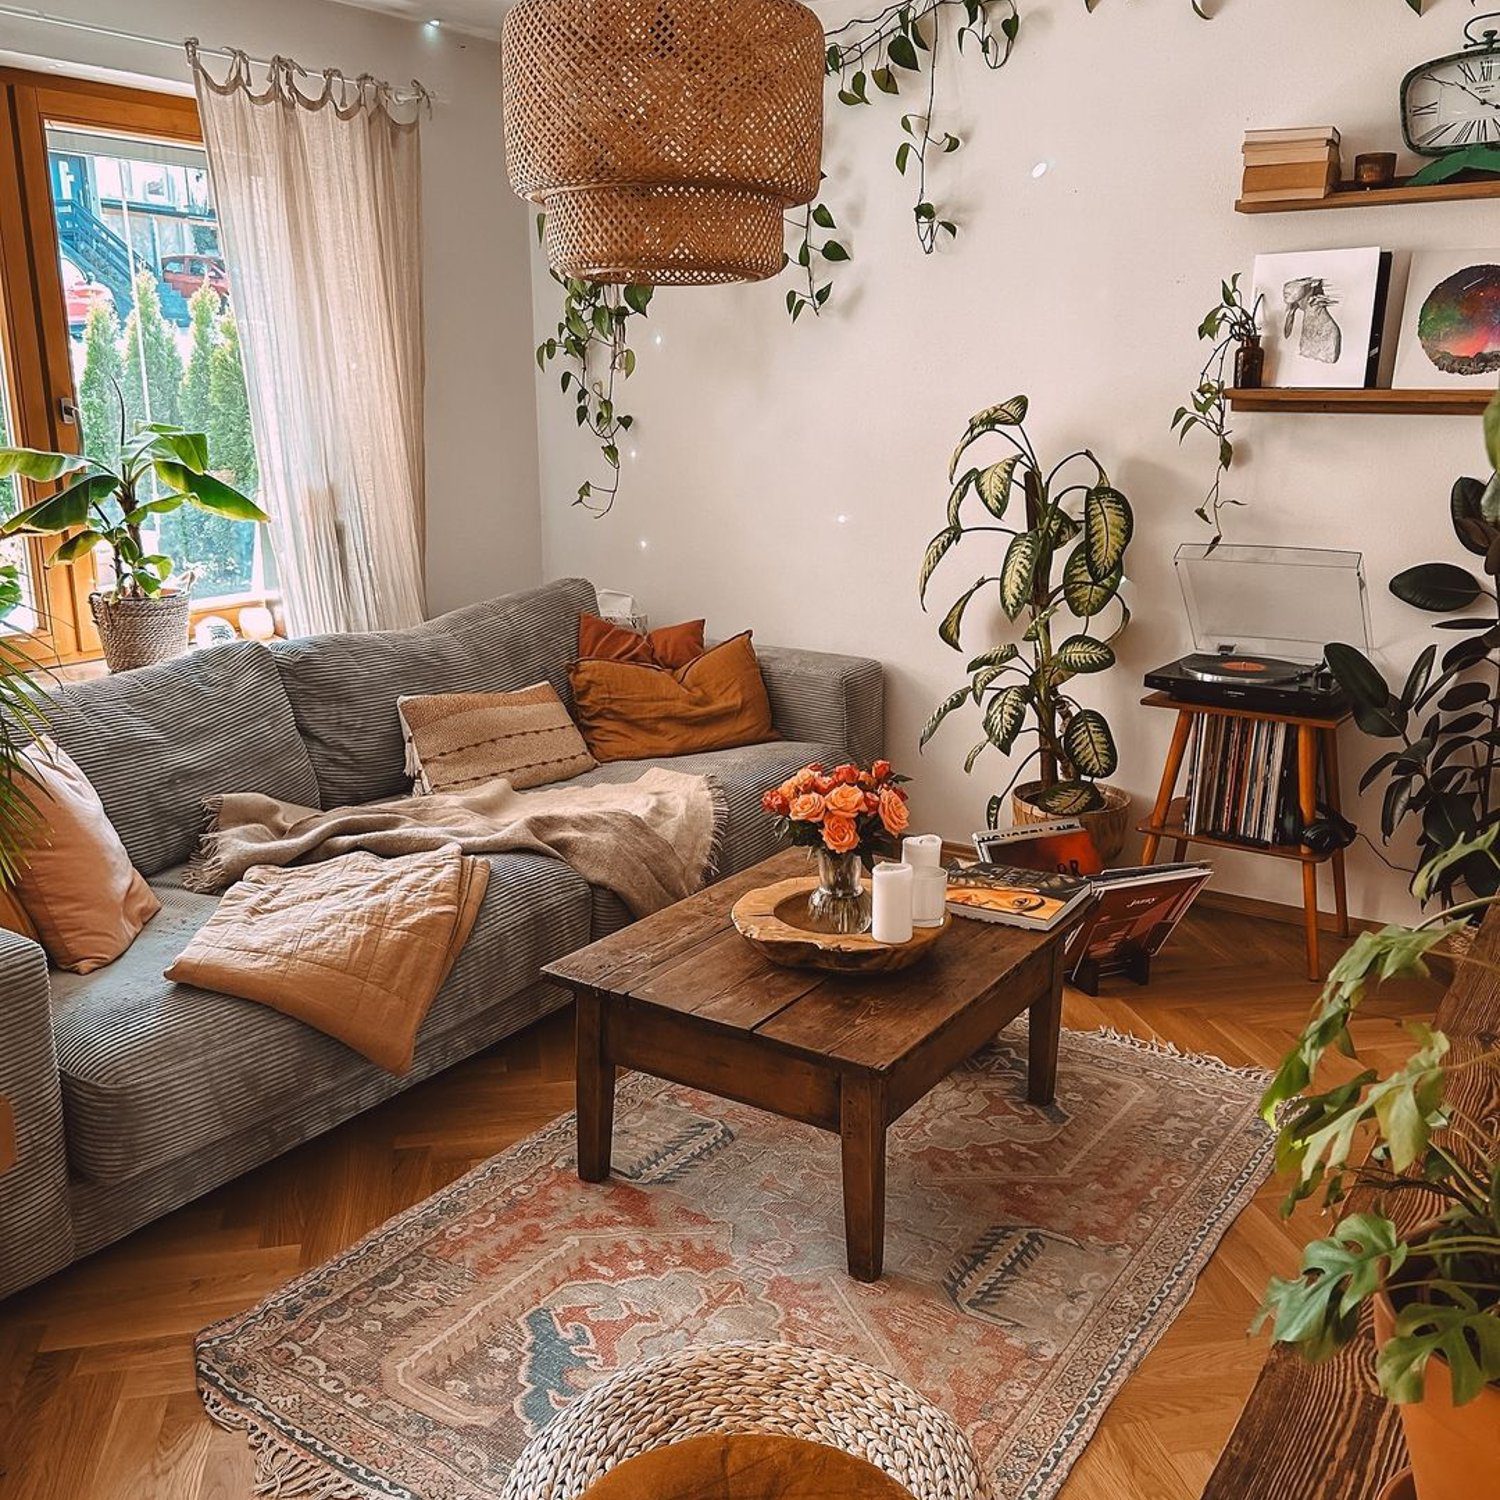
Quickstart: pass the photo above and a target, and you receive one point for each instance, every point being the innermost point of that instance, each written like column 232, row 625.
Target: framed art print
column 1323, row 316
column 1450, row 328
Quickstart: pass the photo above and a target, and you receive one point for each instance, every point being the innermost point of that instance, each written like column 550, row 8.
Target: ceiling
column 478, row 17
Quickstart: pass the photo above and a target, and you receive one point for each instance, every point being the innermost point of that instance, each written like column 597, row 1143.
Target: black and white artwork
column 1323, row 315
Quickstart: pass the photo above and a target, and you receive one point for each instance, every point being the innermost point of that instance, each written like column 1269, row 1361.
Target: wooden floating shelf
column 1348, row 196
column 1456, row 402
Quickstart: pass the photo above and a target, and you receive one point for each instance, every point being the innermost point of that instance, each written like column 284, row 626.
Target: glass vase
column 841, row 903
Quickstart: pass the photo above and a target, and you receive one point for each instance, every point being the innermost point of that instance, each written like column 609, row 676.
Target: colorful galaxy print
column 1459, row 324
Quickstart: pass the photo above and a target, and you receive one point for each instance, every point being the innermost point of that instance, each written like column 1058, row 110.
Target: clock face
column 1453, row 103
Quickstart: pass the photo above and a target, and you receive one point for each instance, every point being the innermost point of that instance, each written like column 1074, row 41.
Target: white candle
column 924, row 851
column 892, row 909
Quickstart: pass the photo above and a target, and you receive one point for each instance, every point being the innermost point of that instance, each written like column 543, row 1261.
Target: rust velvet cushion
column 671, row 646
column 86, row 900
column 633, row 711
column 751, row 1466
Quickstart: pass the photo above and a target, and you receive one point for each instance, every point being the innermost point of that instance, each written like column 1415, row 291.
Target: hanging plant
column 591, row 336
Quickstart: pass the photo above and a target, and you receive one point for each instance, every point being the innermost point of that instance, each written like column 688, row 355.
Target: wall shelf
column 1455, row 402
column 1347, row 196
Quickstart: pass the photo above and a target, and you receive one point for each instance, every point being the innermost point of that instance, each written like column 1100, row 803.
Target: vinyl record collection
column 1242, row 780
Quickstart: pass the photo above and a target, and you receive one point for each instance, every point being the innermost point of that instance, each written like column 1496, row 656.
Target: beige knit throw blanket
column 652, row 841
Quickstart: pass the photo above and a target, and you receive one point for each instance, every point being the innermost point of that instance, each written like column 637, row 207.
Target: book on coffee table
column 1037, row 900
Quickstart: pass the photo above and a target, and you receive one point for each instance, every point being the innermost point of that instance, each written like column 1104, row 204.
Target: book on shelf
column 1294, row 135
column 1286, row 179
column 1242, row 781
column 1289, row 155
column 1062, row 846
column 1037, row 900
column 1135, row 912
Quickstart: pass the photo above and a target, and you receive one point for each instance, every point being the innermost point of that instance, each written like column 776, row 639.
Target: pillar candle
column 892, row 911
column 922, row 850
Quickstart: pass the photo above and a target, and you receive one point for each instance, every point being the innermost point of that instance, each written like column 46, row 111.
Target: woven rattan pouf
column 743, row 1388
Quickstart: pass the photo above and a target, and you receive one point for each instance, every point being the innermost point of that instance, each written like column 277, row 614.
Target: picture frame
column 1450, row 323
column 1324, row 316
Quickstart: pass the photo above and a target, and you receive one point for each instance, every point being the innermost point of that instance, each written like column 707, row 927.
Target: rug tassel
column 281, row 1471
column 1158, row 1048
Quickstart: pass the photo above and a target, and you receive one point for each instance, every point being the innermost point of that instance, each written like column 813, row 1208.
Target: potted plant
column 1231, row 326
column 1415, row 1135
column 1065, row 556
column 141, row 617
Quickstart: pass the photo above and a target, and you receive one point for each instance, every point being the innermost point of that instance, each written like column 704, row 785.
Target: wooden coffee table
column 681, row 995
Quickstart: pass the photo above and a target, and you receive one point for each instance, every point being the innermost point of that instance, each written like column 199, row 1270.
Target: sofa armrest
column 36, row 1228
column 826, row 699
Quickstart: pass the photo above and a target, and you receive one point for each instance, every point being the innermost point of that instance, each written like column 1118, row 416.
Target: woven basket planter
column 750, row 1388
column 1109, row 827
column 664, row 139
column 142, row 632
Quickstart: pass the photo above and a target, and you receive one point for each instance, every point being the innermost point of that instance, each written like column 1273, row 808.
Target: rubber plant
column 1420, row 1134
column 1063, row 555
column 1443, row 771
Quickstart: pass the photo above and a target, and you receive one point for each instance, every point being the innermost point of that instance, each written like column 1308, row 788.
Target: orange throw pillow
column 628, row 711
column 671, row 646
column 86, row 900
column 13, row 917
column 748, row 1466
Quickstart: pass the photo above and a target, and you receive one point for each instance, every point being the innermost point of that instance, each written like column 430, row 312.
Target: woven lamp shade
column 664, row 139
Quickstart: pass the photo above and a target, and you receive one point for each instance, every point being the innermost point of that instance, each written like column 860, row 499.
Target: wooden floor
column 96, row 1377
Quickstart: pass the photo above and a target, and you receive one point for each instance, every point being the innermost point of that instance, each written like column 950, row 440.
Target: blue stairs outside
column 103, row 256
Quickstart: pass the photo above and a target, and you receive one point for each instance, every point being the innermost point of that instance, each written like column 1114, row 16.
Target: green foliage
column 152, row 379
column 101, row 382
column 1228, row 324
column 1444, row 774
column 1403, row 1133
column 156, row 470
column 1066, row 552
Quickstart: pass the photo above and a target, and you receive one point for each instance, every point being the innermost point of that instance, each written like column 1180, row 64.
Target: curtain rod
column 68, row 23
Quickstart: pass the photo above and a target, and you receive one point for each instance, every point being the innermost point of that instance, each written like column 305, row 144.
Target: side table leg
column 1332, row 777
column 1307, row 797
column 596, row 1090
column 1044, row 1023
column 1180, row 735
column 862, row 1130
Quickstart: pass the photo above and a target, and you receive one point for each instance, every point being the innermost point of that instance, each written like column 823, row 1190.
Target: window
column 118, row 301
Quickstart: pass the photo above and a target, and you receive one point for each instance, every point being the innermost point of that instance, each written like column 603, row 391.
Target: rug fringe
column 282, row 1472
column 1156, row 1047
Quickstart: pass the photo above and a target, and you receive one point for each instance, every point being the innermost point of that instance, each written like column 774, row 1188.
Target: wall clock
column 1452, row 103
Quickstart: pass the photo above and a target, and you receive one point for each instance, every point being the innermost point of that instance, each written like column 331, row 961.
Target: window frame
column 37, row 357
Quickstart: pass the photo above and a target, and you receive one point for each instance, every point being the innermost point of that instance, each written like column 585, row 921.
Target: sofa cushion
column 153, row 1071
column 745, row 775
column 343, row 688
column 157, row 741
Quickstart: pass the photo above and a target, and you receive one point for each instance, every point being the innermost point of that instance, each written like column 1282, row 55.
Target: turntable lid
column 1273, row 601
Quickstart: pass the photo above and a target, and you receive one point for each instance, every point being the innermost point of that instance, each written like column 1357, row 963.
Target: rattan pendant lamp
column 664, row 139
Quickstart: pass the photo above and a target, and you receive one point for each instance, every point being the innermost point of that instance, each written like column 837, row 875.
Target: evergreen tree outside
column 102, row 378
column 230, row 440
column 203, row 333
column 153, row 366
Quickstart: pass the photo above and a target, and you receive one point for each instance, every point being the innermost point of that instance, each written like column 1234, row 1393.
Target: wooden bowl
column 775, row 921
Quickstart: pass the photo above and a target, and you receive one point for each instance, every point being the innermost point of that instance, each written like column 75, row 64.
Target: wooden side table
column 1317, row 745
column 8, row 1152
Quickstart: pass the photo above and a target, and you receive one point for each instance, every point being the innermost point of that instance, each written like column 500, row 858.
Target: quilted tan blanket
column 357, row 947
column 651, row 841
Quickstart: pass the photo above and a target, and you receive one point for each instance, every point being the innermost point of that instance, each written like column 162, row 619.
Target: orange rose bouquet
column 845, row 810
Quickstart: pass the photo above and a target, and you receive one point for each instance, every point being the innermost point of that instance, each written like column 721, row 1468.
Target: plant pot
column 1108, row 827
column 1454, row 1450
column 842, row 903
column 142, row 632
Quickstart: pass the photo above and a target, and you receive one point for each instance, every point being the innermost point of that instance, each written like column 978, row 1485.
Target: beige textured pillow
column 86, row 900
column 458, row 740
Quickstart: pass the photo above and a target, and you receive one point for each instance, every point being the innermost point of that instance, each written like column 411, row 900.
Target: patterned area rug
column 1033, row 1256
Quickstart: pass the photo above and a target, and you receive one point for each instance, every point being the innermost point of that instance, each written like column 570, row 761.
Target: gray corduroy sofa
column 133, row 1095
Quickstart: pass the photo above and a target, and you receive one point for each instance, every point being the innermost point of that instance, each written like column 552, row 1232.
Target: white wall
column 483, row 526
column 1083, row 289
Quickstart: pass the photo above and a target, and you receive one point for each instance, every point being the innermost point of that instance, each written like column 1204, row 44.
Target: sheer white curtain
column 318, row 193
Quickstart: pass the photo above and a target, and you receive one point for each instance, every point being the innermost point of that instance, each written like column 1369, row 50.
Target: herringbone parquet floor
column 96, row 1379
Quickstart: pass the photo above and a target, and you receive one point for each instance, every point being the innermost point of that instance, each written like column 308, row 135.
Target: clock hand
column 1453, row 83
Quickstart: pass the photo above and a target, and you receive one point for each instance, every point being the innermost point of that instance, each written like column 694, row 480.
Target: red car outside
column 186, row 273
column 82, row 295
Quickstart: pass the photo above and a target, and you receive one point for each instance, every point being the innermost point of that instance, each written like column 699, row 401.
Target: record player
column 1261, row 617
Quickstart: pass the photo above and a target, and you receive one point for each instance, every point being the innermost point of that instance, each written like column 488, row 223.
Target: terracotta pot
column 1108, row 827
column 142, row 632
column 1455, row 1450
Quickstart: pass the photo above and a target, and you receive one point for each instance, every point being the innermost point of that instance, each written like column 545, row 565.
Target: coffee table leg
column 596, row 1090
column 862, row 1130
column 1045, row 1022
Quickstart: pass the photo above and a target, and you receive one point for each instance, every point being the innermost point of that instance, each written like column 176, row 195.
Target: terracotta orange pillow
column 630, row 711
column 86, row 900
column 13, row 917
column 671, row 646
column 748, row 1466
